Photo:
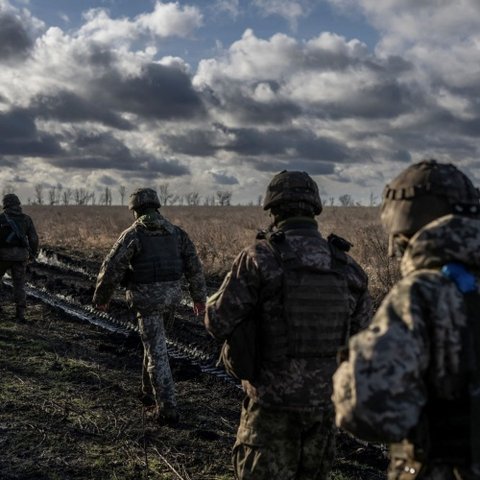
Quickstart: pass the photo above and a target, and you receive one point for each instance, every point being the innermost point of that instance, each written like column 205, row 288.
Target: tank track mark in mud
column 50, row 258
column 64, row 262
column 176, row 349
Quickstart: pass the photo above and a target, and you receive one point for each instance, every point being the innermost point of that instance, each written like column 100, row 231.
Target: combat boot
column 167, row 415
column 20, row 315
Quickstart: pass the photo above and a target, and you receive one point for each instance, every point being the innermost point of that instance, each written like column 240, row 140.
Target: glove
column 198, row 308
column 102, row 308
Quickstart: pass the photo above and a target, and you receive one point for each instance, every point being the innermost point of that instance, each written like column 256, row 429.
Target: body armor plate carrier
column 159, row 260
column 315, row 317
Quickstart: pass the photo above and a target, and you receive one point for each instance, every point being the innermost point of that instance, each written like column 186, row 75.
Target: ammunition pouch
column 240, row 352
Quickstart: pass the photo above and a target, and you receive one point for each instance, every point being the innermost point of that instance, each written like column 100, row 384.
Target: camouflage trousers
column 157, row 379
column 283, row 445
column 18, row 272
column 404, row 467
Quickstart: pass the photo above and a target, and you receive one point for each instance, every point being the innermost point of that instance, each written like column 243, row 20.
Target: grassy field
column 219, row 233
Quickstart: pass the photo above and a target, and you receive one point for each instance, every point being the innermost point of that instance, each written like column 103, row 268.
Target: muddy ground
column 70, row 405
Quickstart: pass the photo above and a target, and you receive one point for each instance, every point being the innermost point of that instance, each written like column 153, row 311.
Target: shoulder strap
column 17, row 232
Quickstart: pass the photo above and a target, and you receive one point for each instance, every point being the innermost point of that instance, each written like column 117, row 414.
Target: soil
column 70, row 405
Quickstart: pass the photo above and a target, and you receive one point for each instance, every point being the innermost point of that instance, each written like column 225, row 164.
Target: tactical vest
column 312, row 320
column 159, row 259
column 452, row 426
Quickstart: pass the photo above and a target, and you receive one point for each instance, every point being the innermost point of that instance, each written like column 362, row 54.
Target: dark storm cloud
column 224, row 179
column 384, row 100
column 198, row 143
column 402, row 156
column 19, row 136
column 275, row 166
column 94, row 151
column 287, row 143
column 107, row 180
column 291, row 143
column 159, row 92
column 67, row 106
column 7, row 162
column 14, row 39
column 240, row 103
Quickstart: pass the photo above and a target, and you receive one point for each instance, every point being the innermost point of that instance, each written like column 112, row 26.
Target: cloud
column 19, row 136
column 169, row 19
column 105, row 151
column 288, row 9
column 15, row 40
column 166, row 20
column 277, row 80
column 66, row 106
column 158, row 91
column 231, row 7
column 223, row 178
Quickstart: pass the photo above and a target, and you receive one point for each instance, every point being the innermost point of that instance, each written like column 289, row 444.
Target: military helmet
column 143, row 197
column 10, row 200
column 292, row 188
column 425, row 191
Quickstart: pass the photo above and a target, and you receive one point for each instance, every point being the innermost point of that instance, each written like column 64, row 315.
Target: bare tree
column 122, row 190
column 177, row 200
column 346, row 200
column 164, row 194
column 52, row 195
column 260, row 200
column 192, row 198
column 81, row 196
column 67, row 195
column 373, row 199
column 38, row 188
column 331, row 201
column 210, row 200
column 224, row 197
column 106, row 197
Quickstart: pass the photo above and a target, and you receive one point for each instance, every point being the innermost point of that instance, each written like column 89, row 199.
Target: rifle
column 17, row 233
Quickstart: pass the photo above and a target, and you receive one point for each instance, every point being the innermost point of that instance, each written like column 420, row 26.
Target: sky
column 220, row 95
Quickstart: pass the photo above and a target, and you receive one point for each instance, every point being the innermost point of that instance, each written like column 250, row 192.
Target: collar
column 294, row 223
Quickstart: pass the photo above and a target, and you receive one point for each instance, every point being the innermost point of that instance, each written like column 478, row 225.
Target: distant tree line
column 60, row 195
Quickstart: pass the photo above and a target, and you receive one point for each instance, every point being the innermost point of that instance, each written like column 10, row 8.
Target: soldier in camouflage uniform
column 153, row 255
column 18, row 245
column 286, row 426
column 413, row 377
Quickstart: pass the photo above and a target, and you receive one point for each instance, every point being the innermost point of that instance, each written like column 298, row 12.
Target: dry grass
column 219, row 233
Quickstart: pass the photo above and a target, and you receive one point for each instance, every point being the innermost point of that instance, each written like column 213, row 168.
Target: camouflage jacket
column 294, row 383
column 413, row 345
column 148, row 296
column 25, row 224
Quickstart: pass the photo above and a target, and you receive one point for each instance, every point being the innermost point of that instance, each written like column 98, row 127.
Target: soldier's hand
column 102, row 308
column 198, row 308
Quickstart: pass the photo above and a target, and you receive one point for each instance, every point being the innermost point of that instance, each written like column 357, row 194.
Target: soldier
column 413, row 377
column 18, row 245
column 305, row 295
column 153, row 255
